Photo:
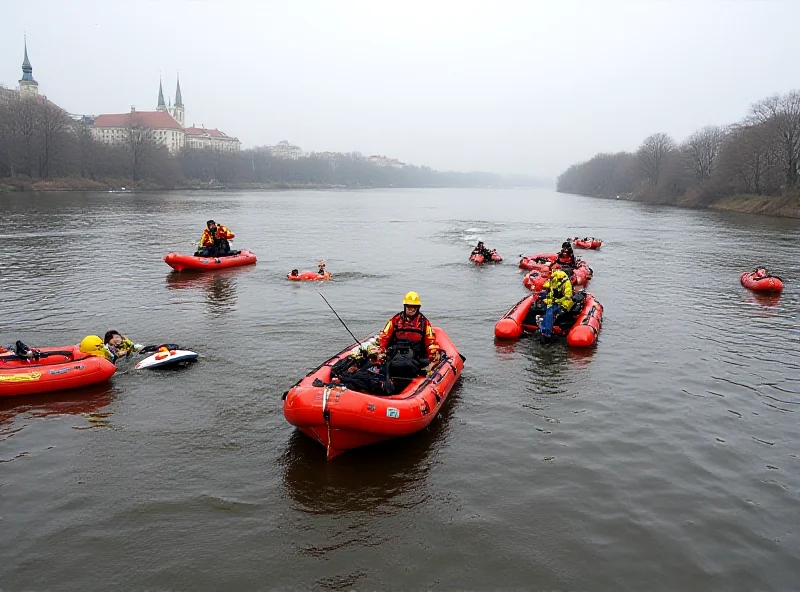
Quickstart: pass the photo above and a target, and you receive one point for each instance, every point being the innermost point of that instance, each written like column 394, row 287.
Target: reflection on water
column 380, row 478
column 763, row 298
column 218, row 288
column 87, row 401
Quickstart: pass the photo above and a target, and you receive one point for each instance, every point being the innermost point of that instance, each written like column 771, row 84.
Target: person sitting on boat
column 566, row 257
column 480, row 249
column 119, row 346
column 759, row 273
column 214, row 242
column 557, row 294
column 411, row 326
column 321, row 265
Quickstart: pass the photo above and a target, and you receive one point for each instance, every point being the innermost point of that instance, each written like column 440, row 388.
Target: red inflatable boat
column 308, row 276
column 536, row 261
column 535, row 279
column 340, row 418
column 761, row 281
column 58, row 368
column 582, row 332
column 479, row 259
column 179, row 262
column 587, row 243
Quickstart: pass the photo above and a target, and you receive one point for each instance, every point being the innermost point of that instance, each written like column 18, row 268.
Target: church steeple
column 177, row 109
column 27, row 83
column 178, row 97
column 162, row 106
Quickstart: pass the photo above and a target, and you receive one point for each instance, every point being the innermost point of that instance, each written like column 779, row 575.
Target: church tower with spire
column 177, row 110
column 162, row 106
column 27, row 83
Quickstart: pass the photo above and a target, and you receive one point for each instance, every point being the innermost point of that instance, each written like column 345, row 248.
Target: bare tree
column 140, row 143
column 7, row 134
column 749, row 159
column 23, row 133
column 652, row 155
column 701, row 151
column 54, row 131
column 781, row 115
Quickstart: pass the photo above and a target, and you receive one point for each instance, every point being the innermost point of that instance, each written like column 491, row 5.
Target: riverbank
column 763, row 205
column 785, row 207
column 81, row 184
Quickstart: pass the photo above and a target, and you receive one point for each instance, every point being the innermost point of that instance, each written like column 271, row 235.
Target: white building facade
column 165, row 126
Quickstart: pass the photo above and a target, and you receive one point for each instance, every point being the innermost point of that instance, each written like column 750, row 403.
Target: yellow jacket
column 559, row 290
column 126, row 348
column 222, row 232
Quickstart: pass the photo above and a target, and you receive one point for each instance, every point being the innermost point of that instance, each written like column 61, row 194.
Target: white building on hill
column 165, row 125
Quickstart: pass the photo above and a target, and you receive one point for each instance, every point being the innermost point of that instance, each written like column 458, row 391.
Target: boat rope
column 326, row 414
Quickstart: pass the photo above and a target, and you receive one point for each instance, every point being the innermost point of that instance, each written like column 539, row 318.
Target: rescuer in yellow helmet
column 412, row 326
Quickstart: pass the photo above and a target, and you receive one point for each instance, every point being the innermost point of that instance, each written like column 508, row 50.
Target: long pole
column 340, row 318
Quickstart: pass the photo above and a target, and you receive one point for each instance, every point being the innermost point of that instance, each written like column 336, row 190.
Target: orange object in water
column 479, row 259
column 582, row 333
column 760, row 280
column 341, row 419
column 590, row 243
column 179, row 262
column 540, row 273
column 309, row 276
column 532, row 261
column 59, row 368
column 535, row 279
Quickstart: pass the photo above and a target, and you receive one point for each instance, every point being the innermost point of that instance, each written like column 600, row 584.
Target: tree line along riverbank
column 752, row 166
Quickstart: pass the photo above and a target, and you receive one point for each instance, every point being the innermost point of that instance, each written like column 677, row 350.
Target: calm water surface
column 666, row 458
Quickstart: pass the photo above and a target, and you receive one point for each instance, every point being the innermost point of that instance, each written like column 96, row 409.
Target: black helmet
column 566, row 245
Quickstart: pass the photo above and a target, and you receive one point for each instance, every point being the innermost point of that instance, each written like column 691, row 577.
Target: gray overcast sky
column 503, row 86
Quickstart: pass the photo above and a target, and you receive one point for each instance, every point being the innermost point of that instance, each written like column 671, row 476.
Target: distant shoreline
column 123, row 186
column 762, row 205
column 66, row 185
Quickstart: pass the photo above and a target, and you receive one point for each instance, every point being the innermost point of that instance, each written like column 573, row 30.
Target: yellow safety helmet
column 412, row 299
column 92, row 344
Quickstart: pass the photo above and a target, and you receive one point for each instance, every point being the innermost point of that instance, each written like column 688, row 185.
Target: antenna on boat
column 340, row 319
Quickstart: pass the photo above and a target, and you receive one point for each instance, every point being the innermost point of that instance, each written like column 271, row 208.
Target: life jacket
column 559, row 291
column 406, row 329
column 210, row 239
column 566, row 259
column 410, row 330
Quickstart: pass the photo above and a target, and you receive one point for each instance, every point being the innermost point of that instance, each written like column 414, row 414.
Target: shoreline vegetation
column 750, row 167
column 42, row 148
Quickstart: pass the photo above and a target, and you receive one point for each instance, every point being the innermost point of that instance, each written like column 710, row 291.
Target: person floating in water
column 119, row 346
column 481, row 249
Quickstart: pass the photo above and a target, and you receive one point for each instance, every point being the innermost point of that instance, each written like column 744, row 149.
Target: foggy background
column 507, row 87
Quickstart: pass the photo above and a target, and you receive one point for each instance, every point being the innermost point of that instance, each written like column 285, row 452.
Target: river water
column 666, row 458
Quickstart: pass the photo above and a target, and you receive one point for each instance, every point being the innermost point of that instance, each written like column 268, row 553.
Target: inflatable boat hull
column 341, row 419
column 60, row 369
column 179, row 262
